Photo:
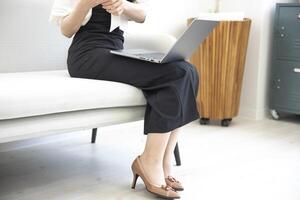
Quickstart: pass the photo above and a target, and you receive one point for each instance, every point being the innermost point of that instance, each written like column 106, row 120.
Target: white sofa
column 37, row 95
column 39, row 103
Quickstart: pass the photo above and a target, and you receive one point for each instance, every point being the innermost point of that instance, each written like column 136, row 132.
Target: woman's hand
column 115, row 7
column 123, row 7
column 71, row 23
column 91, row 3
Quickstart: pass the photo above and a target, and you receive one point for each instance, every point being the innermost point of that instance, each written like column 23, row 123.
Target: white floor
column 250, row 160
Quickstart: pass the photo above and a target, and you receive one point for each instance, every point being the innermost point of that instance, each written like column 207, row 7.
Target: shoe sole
column 178, row 189
column 158, row 195
column 161, row 196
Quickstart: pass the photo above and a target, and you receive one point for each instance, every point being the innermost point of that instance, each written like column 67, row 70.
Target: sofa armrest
column 161, row 42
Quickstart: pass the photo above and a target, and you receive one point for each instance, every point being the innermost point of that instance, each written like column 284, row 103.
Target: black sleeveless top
column 95, row 34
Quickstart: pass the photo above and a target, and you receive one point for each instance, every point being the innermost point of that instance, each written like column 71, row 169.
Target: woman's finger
column 117, row 11
column 113, row 6
column 103, row 1
column 111, row 2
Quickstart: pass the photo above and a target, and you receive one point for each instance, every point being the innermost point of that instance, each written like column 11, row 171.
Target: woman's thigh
column 101, row 64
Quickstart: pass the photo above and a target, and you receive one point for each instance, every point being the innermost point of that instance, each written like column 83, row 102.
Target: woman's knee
column 175, row 70
column 193, row 74
column 190, row 69
column 181, row 69
column 193, row 68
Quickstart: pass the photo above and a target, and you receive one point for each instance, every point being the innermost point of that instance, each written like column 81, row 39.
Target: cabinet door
column 288, row 33
column 286, row 86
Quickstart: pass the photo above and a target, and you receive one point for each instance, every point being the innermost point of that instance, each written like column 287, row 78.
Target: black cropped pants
column 170, row 89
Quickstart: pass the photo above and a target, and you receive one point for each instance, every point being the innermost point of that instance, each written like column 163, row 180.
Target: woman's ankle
column 151, row 160
column 167, row 167
column 153, row 170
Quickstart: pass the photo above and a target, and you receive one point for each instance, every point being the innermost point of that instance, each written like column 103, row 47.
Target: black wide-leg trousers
column 170, row 89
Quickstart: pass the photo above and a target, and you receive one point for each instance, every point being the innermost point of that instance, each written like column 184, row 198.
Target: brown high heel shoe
column 163, row 191
column 175, row 184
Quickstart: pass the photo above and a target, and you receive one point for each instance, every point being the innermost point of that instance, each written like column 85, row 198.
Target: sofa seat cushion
column 25, row 94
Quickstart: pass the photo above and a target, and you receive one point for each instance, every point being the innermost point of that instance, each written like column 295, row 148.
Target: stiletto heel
column 135, row 177
column 163, row 191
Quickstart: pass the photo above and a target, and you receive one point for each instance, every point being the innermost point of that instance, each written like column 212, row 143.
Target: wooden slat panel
column 220, row 61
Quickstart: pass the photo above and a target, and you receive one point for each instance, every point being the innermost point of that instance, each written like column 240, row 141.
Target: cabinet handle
column 298, row 16
column 297, row 70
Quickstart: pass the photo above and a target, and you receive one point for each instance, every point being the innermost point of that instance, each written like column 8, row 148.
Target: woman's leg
column 153, row 155
column 168, row 156
column 170, row 88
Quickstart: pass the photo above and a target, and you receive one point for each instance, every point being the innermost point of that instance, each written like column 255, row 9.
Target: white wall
column 250, row 84
column 254, row 98
column 27, row 41
column 267, row 22
column 170, row 16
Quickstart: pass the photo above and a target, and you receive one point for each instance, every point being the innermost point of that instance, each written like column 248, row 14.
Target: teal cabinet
column 285, row 66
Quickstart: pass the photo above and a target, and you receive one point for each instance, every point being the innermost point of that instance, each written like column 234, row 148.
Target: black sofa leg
column 177, row 155
column 94, row 135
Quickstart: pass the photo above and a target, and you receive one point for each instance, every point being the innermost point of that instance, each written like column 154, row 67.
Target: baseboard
column 253, row 113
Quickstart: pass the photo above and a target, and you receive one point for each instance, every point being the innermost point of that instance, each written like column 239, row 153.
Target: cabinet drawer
column 287, row 34
column 286, row 84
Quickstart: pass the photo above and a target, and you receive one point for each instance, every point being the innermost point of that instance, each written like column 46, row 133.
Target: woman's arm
column 133, row 11
column 71, row 23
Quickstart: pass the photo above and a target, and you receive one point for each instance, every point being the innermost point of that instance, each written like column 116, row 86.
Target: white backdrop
column 170, row 16
column 27, row 41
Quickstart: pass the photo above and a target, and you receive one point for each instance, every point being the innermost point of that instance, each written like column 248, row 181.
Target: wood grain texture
column 220, row 61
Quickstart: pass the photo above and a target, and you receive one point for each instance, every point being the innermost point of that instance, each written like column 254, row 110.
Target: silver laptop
column 194, row 35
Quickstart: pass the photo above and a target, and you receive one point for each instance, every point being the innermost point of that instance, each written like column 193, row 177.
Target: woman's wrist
column 84, row 5
column 126, row 5
column 134, row 11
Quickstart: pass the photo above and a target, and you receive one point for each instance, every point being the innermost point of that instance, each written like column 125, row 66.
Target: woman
column 170, row 89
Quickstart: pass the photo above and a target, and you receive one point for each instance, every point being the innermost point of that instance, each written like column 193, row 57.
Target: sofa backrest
column 28, row 42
